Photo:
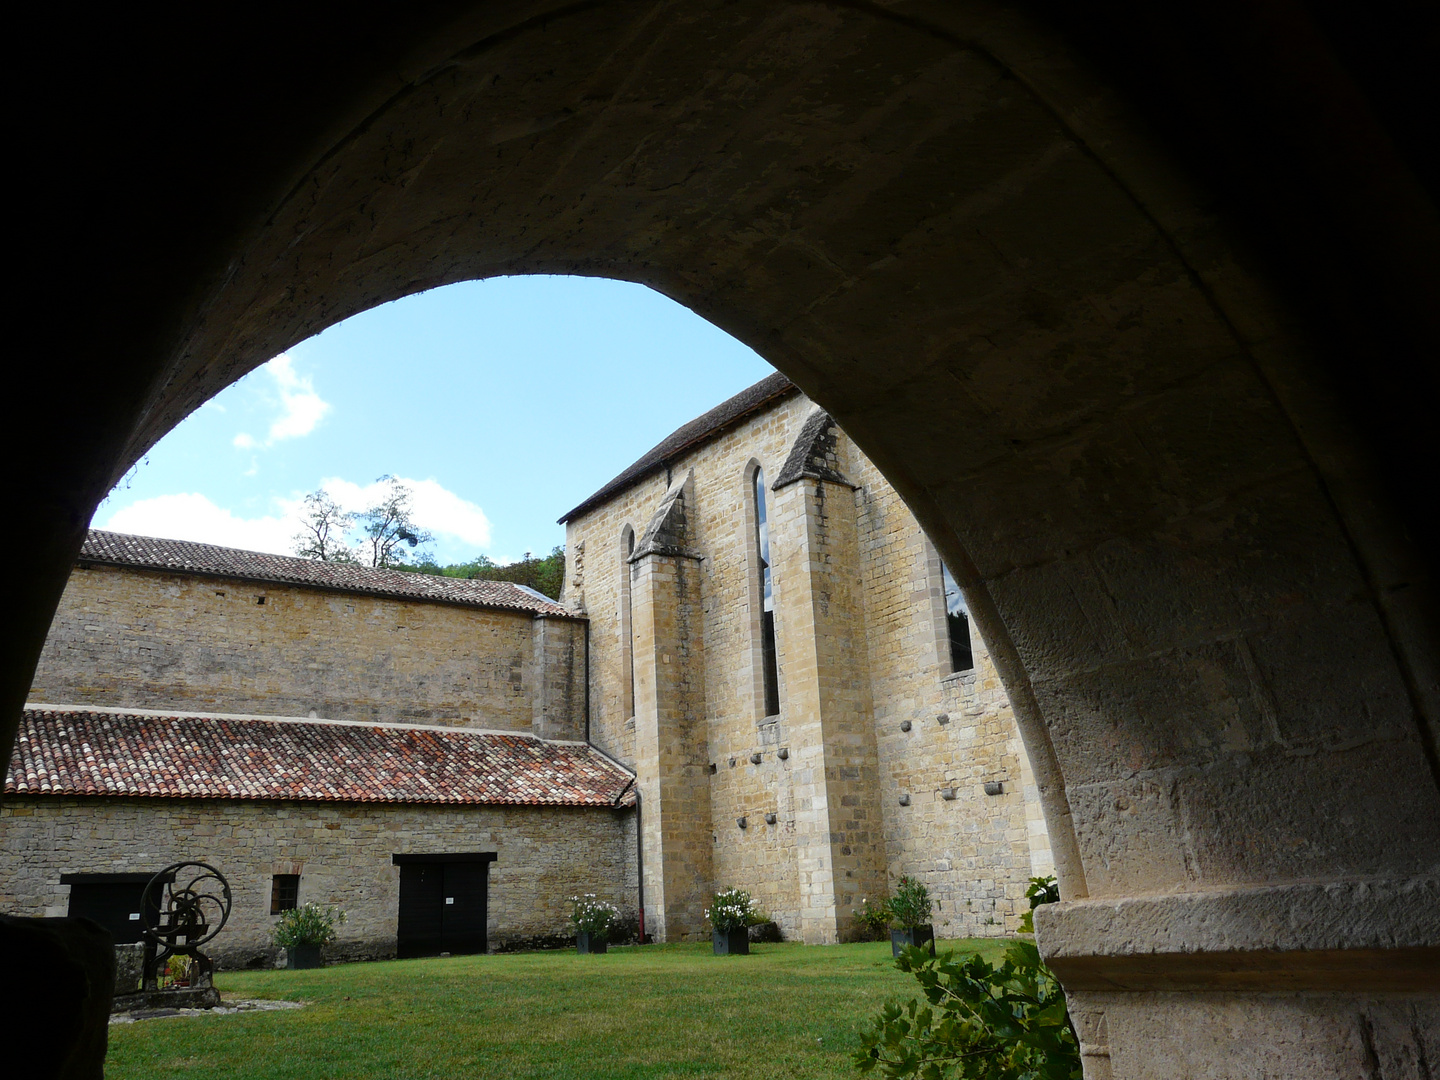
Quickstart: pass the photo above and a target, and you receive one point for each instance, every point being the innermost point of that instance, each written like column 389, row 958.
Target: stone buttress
column 826, row 705
column 671, row 748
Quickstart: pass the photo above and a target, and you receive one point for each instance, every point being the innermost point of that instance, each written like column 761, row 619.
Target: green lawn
column 661, row 1011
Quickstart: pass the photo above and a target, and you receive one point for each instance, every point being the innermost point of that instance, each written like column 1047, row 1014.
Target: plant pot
column 919, row 936
column 299, row 957
column 591, row 943
column 731, row 942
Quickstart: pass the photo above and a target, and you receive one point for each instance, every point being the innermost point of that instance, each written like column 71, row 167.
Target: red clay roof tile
column 83, row 752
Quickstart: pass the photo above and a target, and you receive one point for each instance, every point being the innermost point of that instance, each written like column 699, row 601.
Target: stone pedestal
column 1322, row 980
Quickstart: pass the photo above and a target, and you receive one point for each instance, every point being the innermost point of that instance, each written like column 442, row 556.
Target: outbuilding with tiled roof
column 410, row 748
column 372, row 818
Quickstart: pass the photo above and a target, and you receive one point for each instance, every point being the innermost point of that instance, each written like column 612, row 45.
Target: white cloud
column 434, row 507
column 301, row 408
column 192, row 516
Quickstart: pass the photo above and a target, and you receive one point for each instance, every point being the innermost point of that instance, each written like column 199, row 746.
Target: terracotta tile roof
column 83, row 752
column 186, row 557
column 715, row 422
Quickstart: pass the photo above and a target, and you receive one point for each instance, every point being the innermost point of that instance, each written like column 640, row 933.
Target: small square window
column 284, row 892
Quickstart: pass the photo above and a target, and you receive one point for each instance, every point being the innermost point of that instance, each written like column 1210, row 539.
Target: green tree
column 388, row 525
column 545, row 574
column 323, row 530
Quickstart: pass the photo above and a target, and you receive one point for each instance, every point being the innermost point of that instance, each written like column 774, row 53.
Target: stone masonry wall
column 612, row 723
column 974, row 851
column 721, row 520
column 342, row 853
column 558, row 681
column 840, row 854
column 140, row 639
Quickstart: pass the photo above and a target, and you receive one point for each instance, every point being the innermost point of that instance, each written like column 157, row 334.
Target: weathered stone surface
column 129, row 968
column 1245, row 932
column 864, row 669
column 127, row 637
column 341, row 852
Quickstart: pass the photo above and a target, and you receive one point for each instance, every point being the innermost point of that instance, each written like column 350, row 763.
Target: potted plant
column 303, row 930
column 872, row 920
column 177, row 970
column 910, row 907
column 593, row 920
column 731, row 912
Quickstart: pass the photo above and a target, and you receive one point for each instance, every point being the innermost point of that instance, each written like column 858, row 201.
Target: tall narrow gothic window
column 767, row 611
column 627, row 640
column 957, row 619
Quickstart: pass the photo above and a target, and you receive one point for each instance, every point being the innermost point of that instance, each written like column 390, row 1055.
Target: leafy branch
column 981, row 1022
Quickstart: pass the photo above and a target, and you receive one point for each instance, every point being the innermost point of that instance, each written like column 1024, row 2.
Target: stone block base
column 202, row 997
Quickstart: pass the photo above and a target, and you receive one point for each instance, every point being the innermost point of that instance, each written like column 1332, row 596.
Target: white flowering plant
column 873, row 918
column 308, row 924
column 592, row 916
column 732, row 909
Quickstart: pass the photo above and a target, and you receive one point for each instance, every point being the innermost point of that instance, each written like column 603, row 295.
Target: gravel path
column 238, row 1005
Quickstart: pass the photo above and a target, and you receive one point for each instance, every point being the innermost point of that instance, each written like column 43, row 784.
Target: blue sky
column 503, row 402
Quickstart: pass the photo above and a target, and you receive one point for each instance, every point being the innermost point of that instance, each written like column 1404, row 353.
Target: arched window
column 627, row 641
column 768, row 664
column 957, row 621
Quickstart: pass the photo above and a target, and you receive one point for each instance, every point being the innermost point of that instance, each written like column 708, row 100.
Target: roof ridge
column 106, row 547
column 194, row 714
column 707, row 425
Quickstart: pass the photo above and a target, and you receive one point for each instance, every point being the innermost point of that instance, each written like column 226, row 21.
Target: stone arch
column 956, row 234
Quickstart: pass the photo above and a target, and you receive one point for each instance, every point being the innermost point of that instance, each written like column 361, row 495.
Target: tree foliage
column 322, row 535
column 389, row 529
column 977, row 1022
column 1042, row 890
column 388, row 525
column 545, row 574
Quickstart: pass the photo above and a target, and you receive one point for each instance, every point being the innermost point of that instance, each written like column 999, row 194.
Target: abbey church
column 759, row 675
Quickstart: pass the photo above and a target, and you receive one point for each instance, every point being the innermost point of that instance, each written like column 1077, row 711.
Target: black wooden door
column 466, row 899
column 422, row 904
column 112, row 900
column 444, row 906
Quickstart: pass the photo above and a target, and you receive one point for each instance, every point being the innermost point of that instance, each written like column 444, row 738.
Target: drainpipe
column 587, row 680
